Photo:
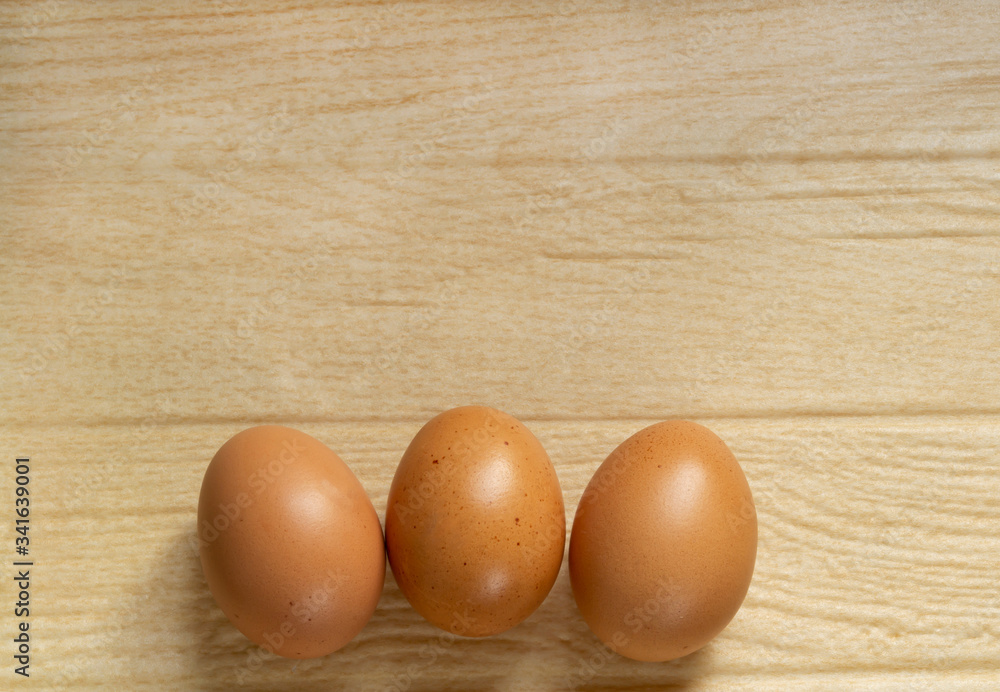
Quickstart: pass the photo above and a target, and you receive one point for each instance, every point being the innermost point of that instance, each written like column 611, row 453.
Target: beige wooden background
column 781, row 219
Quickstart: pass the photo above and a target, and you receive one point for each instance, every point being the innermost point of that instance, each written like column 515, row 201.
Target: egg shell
column 290, row 544
column 475, row 522
column 664, row 542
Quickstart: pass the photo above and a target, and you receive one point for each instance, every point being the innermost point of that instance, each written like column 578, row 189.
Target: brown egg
column 664, row 542
column 475, row 525
column 290, row 543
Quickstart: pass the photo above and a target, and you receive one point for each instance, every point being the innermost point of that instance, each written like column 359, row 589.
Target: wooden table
column 779, row 219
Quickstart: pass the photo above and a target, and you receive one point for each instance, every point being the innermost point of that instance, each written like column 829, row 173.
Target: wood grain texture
column 779, row 219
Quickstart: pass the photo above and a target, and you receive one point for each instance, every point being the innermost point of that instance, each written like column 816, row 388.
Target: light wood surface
column 779, row 219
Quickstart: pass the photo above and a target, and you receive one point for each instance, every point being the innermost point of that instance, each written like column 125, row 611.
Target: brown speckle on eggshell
column 475, row 522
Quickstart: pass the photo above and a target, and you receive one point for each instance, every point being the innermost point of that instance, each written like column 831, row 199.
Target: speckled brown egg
column 475, row 525
column 290, row 543
column 664, row 542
